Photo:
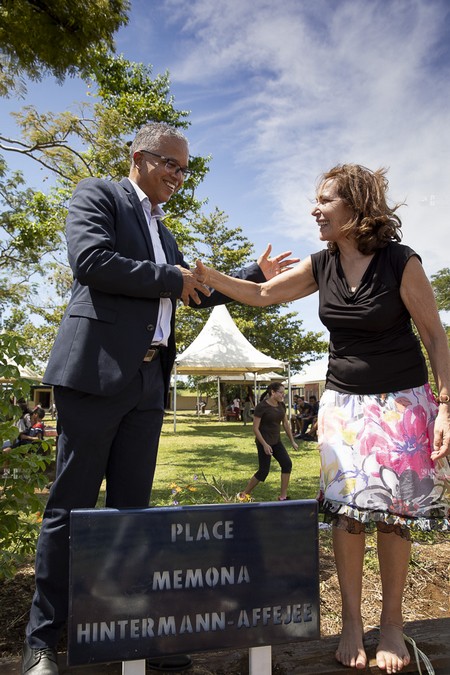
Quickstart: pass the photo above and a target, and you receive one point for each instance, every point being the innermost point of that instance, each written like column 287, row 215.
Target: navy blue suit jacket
column 111, row 317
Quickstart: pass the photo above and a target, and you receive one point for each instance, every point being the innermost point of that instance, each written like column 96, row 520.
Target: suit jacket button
column 150, row 327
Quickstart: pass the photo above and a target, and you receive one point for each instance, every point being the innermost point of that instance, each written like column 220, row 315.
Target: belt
column 153, row 353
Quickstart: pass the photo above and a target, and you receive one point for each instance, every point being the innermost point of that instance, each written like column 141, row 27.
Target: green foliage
column 20, row 507
column 28, row 227
column 217, row 244
column 127, row 87
column 30, row 235
column 94, row 141
column 216, row 490
column 60, row 38
column 40, row 332
column 441, row 286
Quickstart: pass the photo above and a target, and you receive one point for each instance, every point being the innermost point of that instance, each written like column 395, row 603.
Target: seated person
column 311, row 416
column 33, row 433
column 37, row 429
column 303, row 412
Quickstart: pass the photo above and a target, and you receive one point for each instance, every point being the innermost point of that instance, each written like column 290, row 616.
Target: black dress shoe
column 170, row 664
column 39, row 661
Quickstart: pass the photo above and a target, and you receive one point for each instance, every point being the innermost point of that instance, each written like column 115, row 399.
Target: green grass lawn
column 223, row 452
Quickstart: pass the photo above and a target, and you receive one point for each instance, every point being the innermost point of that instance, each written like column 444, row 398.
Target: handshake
column 194, row 282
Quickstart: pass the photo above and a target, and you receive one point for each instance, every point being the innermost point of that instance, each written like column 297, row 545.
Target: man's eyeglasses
column 170, row 165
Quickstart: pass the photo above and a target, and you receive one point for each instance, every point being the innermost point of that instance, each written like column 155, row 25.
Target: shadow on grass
column 218, row 430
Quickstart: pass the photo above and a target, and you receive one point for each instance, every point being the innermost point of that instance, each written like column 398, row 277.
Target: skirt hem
column 432, row 523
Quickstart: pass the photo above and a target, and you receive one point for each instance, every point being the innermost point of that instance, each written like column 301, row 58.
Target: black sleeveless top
column 373, row 349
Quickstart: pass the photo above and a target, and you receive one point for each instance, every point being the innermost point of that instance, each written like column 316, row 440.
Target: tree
column 29, row 225
column 20, row 505
column 95, row 140
column 72, row 146
column 272, row 330
column 58, row 38
column 441, row 286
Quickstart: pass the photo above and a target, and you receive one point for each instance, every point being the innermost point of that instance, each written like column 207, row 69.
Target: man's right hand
column 191, row 286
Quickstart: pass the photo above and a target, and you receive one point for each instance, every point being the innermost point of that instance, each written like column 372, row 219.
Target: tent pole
column 175, row 399
column 289, row 391
column 254, row 388
column 218, row 397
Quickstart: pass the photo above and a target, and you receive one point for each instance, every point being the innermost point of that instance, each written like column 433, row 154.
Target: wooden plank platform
column 301, row 658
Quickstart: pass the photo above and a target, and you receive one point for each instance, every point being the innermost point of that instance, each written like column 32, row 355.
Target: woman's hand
column 267, row 449
column 271, row 267
column 441, row 441
column 201, row 272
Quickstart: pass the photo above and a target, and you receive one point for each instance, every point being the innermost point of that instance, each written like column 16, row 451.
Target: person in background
column 23, row 424
column 384, row 437
column 111, row 361
column 37, row 428
column 309, row 417
column 303, row 409
column 294, row 421
column 247, row 409
column 236, row 407
column 34, row 432
column 269, row 413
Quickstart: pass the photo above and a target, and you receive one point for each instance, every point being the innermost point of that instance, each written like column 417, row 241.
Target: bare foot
column 350, row 651
column 392, row 652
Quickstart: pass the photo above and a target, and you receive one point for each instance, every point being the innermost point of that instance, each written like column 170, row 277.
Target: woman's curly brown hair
column 375, row 223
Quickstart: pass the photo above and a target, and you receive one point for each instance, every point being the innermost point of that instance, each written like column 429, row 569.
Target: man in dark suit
column 111, row 362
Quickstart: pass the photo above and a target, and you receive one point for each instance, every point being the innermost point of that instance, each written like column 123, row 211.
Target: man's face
column 150, row 172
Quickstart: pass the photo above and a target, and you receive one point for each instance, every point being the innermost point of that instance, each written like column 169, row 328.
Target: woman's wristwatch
column 443, row 398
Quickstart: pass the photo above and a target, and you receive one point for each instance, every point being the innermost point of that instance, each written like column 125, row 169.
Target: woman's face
column 331, row 212
column 277, row 395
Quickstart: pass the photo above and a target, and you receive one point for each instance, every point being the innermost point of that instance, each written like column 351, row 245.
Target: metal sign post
column 133, row 667
column 260, row 660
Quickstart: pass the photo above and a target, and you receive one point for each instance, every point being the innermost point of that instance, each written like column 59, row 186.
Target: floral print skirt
column 375, row 460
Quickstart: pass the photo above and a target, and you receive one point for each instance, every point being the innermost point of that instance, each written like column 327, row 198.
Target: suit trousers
column 113, row 437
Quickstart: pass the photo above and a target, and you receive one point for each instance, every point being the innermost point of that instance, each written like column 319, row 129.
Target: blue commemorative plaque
column 160, row 581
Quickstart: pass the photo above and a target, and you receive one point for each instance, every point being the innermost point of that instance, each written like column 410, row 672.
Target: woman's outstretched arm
column 292, row 285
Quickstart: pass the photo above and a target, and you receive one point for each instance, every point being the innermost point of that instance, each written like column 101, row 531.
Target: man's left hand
column 271, row 267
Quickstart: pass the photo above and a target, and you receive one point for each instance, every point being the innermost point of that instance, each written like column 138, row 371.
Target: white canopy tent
column 245, row 378
column 313, row 372
column 220, row 349
column 24, row 371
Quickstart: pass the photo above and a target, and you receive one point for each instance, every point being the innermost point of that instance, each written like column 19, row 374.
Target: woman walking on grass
column 269, row 414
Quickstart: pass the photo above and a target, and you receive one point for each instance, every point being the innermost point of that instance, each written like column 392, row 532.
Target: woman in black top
column 269, row 414
column 384, row 439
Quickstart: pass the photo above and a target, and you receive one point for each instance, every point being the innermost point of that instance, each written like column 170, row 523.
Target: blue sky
column 279, row 92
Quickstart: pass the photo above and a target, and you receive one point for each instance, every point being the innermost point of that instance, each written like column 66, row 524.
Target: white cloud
column 302, row 86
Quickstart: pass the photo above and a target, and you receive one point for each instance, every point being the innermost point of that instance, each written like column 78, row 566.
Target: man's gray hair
column 148, row 137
